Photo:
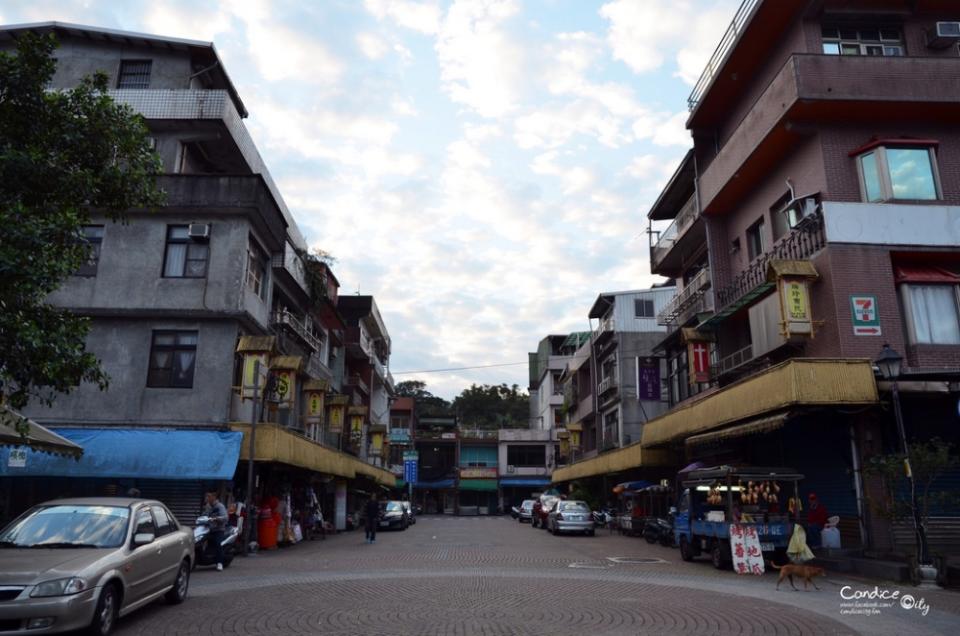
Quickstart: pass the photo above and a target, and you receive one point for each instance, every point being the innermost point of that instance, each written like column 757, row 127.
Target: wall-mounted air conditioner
column 943, row 35
column 199, row 231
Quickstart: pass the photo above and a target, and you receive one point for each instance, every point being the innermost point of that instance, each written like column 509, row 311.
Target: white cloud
column 643, row 166
column 481, row 66
column 371, row 45
column 423, row 17
column 191, row 22
column 403, row 106
column 673, row 132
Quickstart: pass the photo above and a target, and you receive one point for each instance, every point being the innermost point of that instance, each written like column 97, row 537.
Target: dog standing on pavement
column 807, row 572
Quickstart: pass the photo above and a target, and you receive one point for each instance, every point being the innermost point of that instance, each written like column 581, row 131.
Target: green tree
column 929, row 461
column 490, row 406
column 428, row 404
column 62, row 154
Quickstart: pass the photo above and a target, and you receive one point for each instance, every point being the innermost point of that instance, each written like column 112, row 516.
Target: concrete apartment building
column 185, row 299
column 546, row 365
column 816, row 219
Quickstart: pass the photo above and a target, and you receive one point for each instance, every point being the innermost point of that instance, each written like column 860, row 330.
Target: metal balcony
column 719, row 56
column 285, row 319
column 693, row 298
column 671, row 236
column 357, row 382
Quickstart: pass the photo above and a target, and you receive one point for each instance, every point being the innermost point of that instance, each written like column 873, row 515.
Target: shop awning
column 140, row 453
column 482, row 485
column 277, row 444
column 438, row 484
column 797, row 382
column 922, row 273
column 516, row 482
column 753, row 427
column 631, row 485
column 38, row 438
column 614, row 461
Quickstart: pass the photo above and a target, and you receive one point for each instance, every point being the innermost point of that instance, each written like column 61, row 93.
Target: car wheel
column 556, row 530
column 685, row 552
column 591, row 533
column 178, row 594
column 108, row 609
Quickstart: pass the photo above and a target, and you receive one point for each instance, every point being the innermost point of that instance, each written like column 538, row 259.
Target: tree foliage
column 428, row 404
column 929, row 460
column 62, row 154
column 493, row 407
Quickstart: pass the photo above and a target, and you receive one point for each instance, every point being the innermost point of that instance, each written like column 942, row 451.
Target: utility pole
column 248, row 500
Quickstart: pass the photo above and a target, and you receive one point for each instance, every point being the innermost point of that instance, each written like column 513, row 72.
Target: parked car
column 570, row 516
column 411, row 512
column 83, row 563
column 541, row 508
column 393, row 515
column 525, row 511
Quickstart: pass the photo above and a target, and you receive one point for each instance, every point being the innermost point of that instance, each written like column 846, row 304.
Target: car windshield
column 571, row 506
column 394, row 506
column 63, row 526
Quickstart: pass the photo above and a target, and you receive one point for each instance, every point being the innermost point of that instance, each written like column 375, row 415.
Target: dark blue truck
column 711, row 499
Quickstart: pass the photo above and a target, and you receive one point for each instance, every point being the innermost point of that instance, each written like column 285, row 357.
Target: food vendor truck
column 713, row 502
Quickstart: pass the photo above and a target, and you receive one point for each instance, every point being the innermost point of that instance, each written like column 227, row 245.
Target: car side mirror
column 143, row 538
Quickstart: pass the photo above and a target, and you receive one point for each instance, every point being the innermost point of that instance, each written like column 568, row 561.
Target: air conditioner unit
column 943, row 35
column 800, row 210
column 511, row 469
column 199, row 231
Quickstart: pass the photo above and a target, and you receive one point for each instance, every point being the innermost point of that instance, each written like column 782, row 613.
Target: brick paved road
column 450, row 575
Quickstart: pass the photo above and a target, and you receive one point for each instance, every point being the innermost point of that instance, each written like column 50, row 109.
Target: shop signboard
column 745, row 548
column 866, row 317
column 478, row 473
column 698, row 352
column 250, row 361
column 795, row 306
column 336, row 418
column 399, row 436
column 314, row 406
column 648, row 379
column 17, row 458
column 286, row 388
column 356, row 428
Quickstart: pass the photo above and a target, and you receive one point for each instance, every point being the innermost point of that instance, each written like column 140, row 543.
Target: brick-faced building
column 816, row 219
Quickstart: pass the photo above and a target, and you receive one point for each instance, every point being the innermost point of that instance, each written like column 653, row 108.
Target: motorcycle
column 657, row 529
column 602, row 518
column 204, row 549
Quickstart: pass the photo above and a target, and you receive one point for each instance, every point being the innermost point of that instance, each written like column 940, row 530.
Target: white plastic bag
column 798, row 550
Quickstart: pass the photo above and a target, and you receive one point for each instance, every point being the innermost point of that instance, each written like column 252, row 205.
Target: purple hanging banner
column 648, row 380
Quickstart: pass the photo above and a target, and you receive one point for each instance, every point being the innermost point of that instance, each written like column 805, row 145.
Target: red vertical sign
column 699, row 354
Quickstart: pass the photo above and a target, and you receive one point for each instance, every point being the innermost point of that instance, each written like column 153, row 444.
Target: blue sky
column 482, row 167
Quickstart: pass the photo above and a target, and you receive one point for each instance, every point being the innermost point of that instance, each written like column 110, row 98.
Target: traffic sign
column 866, row 316
column 410, row 471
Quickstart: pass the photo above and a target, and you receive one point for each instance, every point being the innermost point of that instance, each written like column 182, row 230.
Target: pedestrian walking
column 373, row 517
column 218, row 519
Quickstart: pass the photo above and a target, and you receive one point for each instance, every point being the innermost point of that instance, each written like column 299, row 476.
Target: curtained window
column 934, row 313
column 184, row 257
column 173, row 356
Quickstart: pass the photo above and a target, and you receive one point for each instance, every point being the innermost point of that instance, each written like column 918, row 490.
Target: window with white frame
column 908, row 173
column 643, row 308
column 256, row 270
column 869, row 41
column 933, row 313
column 755, row 241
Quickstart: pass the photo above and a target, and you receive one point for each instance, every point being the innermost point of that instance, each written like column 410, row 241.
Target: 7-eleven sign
column 866, row 317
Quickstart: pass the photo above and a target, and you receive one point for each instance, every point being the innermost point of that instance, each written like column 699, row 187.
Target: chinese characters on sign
column 795, row 306
column 648, row 379
column 745, row 548
column 410, row 460
column 17, row 458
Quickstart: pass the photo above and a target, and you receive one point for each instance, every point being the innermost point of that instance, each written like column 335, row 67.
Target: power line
column 483, row 366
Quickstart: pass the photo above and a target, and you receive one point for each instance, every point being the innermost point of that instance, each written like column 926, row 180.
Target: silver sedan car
column 83, row 563
column 570, row 516
column 525, row 511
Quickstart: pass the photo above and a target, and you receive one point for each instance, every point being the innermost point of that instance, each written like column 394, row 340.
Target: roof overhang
column 34, row 436
column 626, row 458
column 794, row 383
column 677, row 191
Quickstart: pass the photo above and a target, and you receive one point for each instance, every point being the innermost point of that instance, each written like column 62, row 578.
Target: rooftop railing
column 720, row 54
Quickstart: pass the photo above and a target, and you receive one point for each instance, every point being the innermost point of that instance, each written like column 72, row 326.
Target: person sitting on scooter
column 218, row 519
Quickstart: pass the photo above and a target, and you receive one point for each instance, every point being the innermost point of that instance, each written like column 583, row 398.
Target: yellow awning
column 797, row 382
column 277, row 444
column 753, row 427
column 576, row 426
column 294, row 363
column 256, row 343
column 625, row 458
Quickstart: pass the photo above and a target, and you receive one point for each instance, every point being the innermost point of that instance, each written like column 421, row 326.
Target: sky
column 483, row 168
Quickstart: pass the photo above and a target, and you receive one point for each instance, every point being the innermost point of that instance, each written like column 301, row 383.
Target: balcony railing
column 479, row 434
column 607, row 384
column 806, row 239
column 290, row 262
column 687, row 297
column 720, row 54
column 356, row 381
column 683, row 222
column 286, row 319
column 735, row 359
column 607, row 325
column 317, row 369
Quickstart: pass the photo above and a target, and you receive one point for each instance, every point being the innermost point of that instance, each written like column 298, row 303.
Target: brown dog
column 807, row 572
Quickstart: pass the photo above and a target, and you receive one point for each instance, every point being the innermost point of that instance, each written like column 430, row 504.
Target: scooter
column 204, row 550
column 657, row 529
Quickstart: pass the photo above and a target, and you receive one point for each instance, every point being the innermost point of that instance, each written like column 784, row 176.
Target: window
column 184, row 258
column 134, row 74
column 173, row 355
column 934, row 313
column 144, row 522
column 891, row 173
column 877, row 42
column 755, row 239
column 643, row 308
column 527, row 456
column 256, row 270
column 93, row 236
column 164, row 523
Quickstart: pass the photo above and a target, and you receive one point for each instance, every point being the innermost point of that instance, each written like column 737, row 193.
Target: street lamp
column 889, row 362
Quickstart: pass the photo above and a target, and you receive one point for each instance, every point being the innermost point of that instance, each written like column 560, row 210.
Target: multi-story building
column 436, row 442
column 816, row 220
column 188, row 300
column 367, row 377
column 526, row 458
column 546, row 366
column 400, row 435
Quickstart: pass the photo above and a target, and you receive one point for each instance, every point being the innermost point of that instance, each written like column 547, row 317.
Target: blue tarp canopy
column 511, row 482
column 434, row 485
column 145, row 454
